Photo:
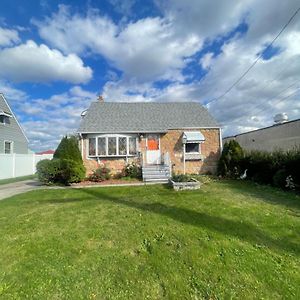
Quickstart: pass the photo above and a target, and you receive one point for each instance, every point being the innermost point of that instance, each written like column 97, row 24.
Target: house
column 47, row 152
column 283, row 135
column 12, row 136
column 161, row 137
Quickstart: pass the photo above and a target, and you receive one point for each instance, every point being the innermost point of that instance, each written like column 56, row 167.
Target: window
column 8, row 147
column 4, row 119
column 102, row 146
column 112, row 147
column 122, row 145
column 132, row 146
column 106, row 145
column 92, row 146
column 192, row 148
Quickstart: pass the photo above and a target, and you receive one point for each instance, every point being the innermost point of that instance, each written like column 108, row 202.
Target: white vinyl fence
column 15, row 165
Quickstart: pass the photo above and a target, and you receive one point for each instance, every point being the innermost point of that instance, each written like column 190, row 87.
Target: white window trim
column 106, row 136
column 12, row 146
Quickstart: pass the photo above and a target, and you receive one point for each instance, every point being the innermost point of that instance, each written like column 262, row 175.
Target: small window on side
column 7, row 147
column 192, row 148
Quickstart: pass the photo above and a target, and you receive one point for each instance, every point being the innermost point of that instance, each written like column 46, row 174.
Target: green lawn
column 16, row 179
column 227, row 240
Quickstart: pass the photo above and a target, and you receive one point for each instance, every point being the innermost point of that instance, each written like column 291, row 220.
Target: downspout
column 184, row 158
column 221, row 142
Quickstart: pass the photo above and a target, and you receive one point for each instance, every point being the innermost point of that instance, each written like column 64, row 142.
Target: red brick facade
column 170, row 142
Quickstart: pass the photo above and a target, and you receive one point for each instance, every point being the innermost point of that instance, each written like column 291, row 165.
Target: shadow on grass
column 264, row 193
column 237, row 229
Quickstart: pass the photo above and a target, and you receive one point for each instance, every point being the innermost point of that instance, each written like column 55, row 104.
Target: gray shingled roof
column 118, row 117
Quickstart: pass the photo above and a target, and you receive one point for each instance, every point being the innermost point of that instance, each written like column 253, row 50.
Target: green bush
column 71, row 171
column 277, row 168
column 230, row 158
column 279, row 179
column 133, row 170
column 182, row 178
column 100, row 174
column 63, row 171
column 68, row 149
column 48, row 171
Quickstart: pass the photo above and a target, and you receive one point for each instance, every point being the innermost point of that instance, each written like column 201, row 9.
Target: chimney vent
column 281, row 118
column 100, row 98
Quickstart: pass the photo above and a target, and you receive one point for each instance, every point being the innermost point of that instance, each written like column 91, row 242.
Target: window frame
column 116, row 136
column 11, row 146
column 199, row 148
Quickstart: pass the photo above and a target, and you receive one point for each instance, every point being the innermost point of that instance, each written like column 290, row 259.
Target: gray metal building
column 12, row 136
column 284, row 136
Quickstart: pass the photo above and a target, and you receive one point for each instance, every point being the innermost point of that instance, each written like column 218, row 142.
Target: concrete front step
column 156, row 173
column 158, row 180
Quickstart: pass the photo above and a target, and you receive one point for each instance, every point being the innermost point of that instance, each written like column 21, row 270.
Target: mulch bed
column 106, row 182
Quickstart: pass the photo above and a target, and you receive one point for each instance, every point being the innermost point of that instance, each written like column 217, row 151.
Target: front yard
column 227, row 240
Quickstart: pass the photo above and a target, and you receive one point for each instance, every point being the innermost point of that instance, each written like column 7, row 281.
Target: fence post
column 33, row 163
column 14, row 165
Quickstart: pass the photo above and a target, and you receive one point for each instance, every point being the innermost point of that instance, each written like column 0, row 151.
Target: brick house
column 161, row 137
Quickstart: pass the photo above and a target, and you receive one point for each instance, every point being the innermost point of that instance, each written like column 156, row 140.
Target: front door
column 153, row 149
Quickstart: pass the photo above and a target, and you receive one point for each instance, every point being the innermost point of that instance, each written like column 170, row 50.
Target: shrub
column 71, row 171
column 48, row 171
column 229, row 161
column 181, row 178
column 100, row 174
column 133, row 170
column 279, row 179
column 277, row 168
column 68, row 149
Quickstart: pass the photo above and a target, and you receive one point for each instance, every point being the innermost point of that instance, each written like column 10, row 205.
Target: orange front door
column 153, row 149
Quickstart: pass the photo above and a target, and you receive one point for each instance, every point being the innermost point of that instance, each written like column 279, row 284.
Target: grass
column 16, row 179
column 227, row 240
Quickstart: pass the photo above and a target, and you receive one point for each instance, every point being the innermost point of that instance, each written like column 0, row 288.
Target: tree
column 229, row 161
column 68, row 149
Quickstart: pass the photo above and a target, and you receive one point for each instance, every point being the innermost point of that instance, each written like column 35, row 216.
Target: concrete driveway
column 11, row 189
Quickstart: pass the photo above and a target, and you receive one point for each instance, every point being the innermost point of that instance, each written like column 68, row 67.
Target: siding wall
column 12, row 132
column 278, row 137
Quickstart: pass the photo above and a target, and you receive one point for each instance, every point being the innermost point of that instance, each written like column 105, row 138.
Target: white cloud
column 8, row 37
column 60, row 112
column 206, row 60
column 38, row 63
column 146, row 49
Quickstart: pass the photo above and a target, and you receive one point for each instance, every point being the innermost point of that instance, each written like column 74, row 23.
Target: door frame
column 159, row 148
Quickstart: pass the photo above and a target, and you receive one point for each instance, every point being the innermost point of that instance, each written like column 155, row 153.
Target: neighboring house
column 12, row 136
column 182, row 137
column 283, row 136
column 47, row 152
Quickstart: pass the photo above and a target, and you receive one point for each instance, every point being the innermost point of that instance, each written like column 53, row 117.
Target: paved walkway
column 11, row 189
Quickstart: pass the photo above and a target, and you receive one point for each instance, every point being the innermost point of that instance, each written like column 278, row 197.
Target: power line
column 275, row 102
column 257, row 59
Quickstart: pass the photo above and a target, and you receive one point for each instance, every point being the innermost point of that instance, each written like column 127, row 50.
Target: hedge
column 280, row 169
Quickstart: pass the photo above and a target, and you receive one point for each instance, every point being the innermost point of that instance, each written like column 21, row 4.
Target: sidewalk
column 11, row 189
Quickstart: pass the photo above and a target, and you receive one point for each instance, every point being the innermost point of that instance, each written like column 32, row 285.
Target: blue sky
column 56, row 57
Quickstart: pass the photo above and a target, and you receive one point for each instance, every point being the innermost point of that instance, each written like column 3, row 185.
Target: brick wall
column 172, row 142
column 116, row 165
